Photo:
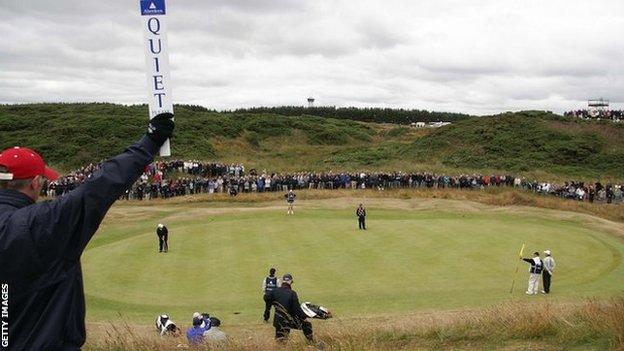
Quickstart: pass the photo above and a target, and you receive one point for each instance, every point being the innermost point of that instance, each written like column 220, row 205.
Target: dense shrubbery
column 354, row 157
column 70, row 135
column 524, row 141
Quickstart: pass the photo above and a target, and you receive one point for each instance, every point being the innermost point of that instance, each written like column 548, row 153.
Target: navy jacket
column 161, row 232
column 40, row 249
column 535, row 267
column 288, row 312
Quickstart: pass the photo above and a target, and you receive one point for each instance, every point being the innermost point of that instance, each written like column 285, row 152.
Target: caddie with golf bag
column 290, row 314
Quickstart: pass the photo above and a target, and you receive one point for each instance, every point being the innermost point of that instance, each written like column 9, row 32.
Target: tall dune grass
column 593, row 324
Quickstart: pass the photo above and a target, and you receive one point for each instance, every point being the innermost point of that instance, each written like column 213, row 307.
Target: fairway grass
column 417, row 255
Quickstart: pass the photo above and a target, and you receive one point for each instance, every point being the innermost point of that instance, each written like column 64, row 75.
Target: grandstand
column 597, row 109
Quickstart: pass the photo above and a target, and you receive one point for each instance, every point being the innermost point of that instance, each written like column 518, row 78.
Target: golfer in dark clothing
column 288, row 312
column 41, row 243
column 163, row 236
column 361, row 215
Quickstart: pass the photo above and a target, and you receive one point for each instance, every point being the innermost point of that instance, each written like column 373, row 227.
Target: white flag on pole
column 153, row 14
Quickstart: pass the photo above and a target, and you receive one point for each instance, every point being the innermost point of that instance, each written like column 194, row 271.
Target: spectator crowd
column 616, row 115
column 179, row 178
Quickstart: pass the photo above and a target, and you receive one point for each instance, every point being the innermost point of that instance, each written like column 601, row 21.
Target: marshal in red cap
column 24, row 163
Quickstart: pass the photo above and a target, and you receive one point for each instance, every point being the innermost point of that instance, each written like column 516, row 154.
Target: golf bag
column 315, row 311
column 166, row 326
column 215, row 322
column 210, row 320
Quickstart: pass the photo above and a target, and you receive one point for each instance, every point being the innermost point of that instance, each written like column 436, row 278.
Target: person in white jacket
column 534, row 272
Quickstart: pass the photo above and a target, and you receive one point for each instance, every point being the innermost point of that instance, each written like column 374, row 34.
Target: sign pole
column 153, row 14
column 513, row 281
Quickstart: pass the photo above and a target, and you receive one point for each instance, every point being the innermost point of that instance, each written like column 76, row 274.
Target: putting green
column 406, row 261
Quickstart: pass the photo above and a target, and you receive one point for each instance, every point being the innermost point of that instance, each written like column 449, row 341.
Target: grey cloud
column 479, row 57
column 259, row 6
column 376, row 35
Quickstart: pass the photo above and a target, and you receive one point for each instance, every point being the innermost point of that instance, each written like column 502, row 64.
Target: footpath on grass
column 492, row 196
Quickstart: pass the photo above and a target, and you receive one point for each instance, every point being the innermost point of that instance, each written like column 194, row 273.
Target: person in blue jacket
column 41, row 242
column 201, row 324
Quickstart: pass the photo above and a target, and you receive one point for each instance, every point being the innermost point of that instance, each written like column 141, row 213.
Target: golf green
column 407, row 260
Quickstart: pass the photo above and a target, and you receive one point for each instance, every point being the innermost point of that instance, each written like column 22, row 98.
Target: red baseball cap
column 24, row 163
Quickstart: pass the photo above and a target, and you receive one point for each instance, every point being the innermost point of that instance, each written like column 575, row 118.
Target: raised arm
column 65, row 226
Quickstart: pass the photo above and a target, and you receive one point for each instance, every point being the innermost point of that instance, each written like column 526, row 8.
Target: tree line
column 364, row 114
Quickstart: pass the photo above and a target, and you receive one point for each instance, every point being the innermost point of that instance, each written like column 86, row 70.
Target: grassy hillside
column 70, row 135
column 531, row 143
column 526, row 141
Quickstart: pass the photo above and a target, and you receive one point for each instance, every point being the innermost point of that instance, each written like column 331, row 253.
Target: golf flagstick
column 513, row 281
column 153, row 14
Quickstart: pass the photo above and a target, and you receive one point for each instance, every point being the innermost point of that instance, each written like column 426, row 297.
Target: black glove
column 160, row 128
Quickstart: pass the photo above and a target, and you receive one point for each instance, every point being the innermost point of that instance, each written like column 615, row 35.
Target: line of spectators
column 584, row 192
column 180, row 178
column 616, row 115
column 197, row 168
column 154, row 174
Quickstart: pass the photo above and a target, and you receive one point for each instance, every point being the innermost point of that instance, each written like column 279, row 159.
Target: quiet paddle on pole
column 513, row 281
column 153, row 14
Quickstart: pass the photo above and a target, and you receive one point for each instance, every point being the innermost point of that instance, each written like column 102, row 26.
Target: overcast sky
column 478, row 56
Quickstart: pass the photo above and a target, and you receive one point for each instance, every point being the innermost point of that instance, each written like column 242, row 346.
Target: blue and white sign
column 157, row 61
column 152, row 7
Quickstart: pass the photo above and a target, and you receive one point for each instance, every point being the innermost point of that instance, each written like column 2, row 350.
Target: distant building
column 439, row 124
column 598, row 108
column 429, row 125
column 310, row 102
column 418, row 125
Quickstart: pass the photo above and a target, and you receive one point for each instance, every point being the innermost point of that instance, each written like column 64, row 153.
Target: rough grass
column 588, row 325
